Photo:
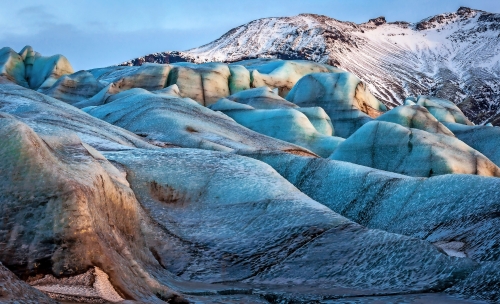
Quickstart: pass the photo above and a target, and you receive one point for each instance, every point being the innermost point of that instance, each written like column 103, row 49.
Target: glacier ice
column 46, row 71
column 240, row 221
column 150, row 77
column 282, row 74
column 319, row 119
column 155, row 219
column 30, row 69
column 391, row 147
column 417, row 117
column 289, row 125
column 205, row 83
column 182, row 122
column 262, row 98
column 171, row 90
column 445, row 208
column 12, row 66
column 184, row 182
column 239, row 79
column 15, row 290
column 70, row 204
column 443, row 110
column 50, row 116
column 225, row 104
column 343, row 96
column 74, row 88
column 485, row 139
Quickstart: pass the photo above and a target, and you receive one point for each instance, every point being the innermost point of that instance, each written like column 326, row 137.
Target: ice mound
column 183, row 122
column 391, row 147
column 343, row 96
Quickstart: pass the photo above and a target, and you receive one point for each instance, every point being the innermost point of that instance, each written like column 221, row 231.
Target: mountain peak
column 463, row 13
column 312, row 15
column 466, row 11
column 377, row 21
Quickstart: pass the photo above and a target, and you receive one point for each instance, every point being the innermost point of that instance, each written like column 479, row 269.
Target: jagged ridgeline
column 259, row 181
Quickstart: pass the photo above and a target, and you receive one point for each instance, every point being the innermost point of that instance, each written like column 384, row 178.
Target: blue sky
column 95, row 33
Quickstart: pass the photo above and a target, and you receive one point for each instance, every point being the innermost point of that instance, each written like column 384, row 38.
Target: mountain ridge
column 455, row 56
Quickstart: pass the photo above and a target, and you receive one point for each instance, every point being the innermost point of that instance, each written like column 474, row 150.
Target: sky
column 96, row 33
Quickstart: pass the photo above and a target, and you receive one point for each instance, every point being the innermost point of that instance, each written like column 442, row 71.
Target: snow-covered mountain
column 453, row 55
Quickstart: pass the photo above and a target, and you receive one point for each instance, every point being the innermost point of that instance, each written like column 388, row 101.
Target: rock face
column 391, row 147
column 450, row 55
column 222, row 183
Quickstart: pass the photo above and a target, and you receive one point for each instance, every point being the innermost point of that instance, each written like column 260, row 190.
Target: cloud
column 27, row 20
column 36, row 15
column 93, row 49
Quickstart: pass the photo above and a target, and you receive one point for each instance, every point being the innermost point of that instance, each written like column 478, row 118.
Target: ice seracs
column 262, row 98
column 280, row 74
column 235, row 219
column 261, row 180
column 485, row 139
column 392, row 147
column 417, row 117
column 51, row 116
column 345, row 99
column 75, row 87
column 289, row 125
column 12, row 66
column 264, row 111
column 183, row 122
column 30, row 69
column 205, row 83
column 443, row 110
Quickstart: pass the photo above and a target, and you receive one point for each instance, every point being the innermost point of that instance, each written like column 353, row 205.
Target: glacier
column 257, row 181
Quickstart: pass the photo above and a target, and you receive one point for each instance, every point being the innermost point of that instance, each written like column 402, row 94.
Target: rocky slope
column 455, row 56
